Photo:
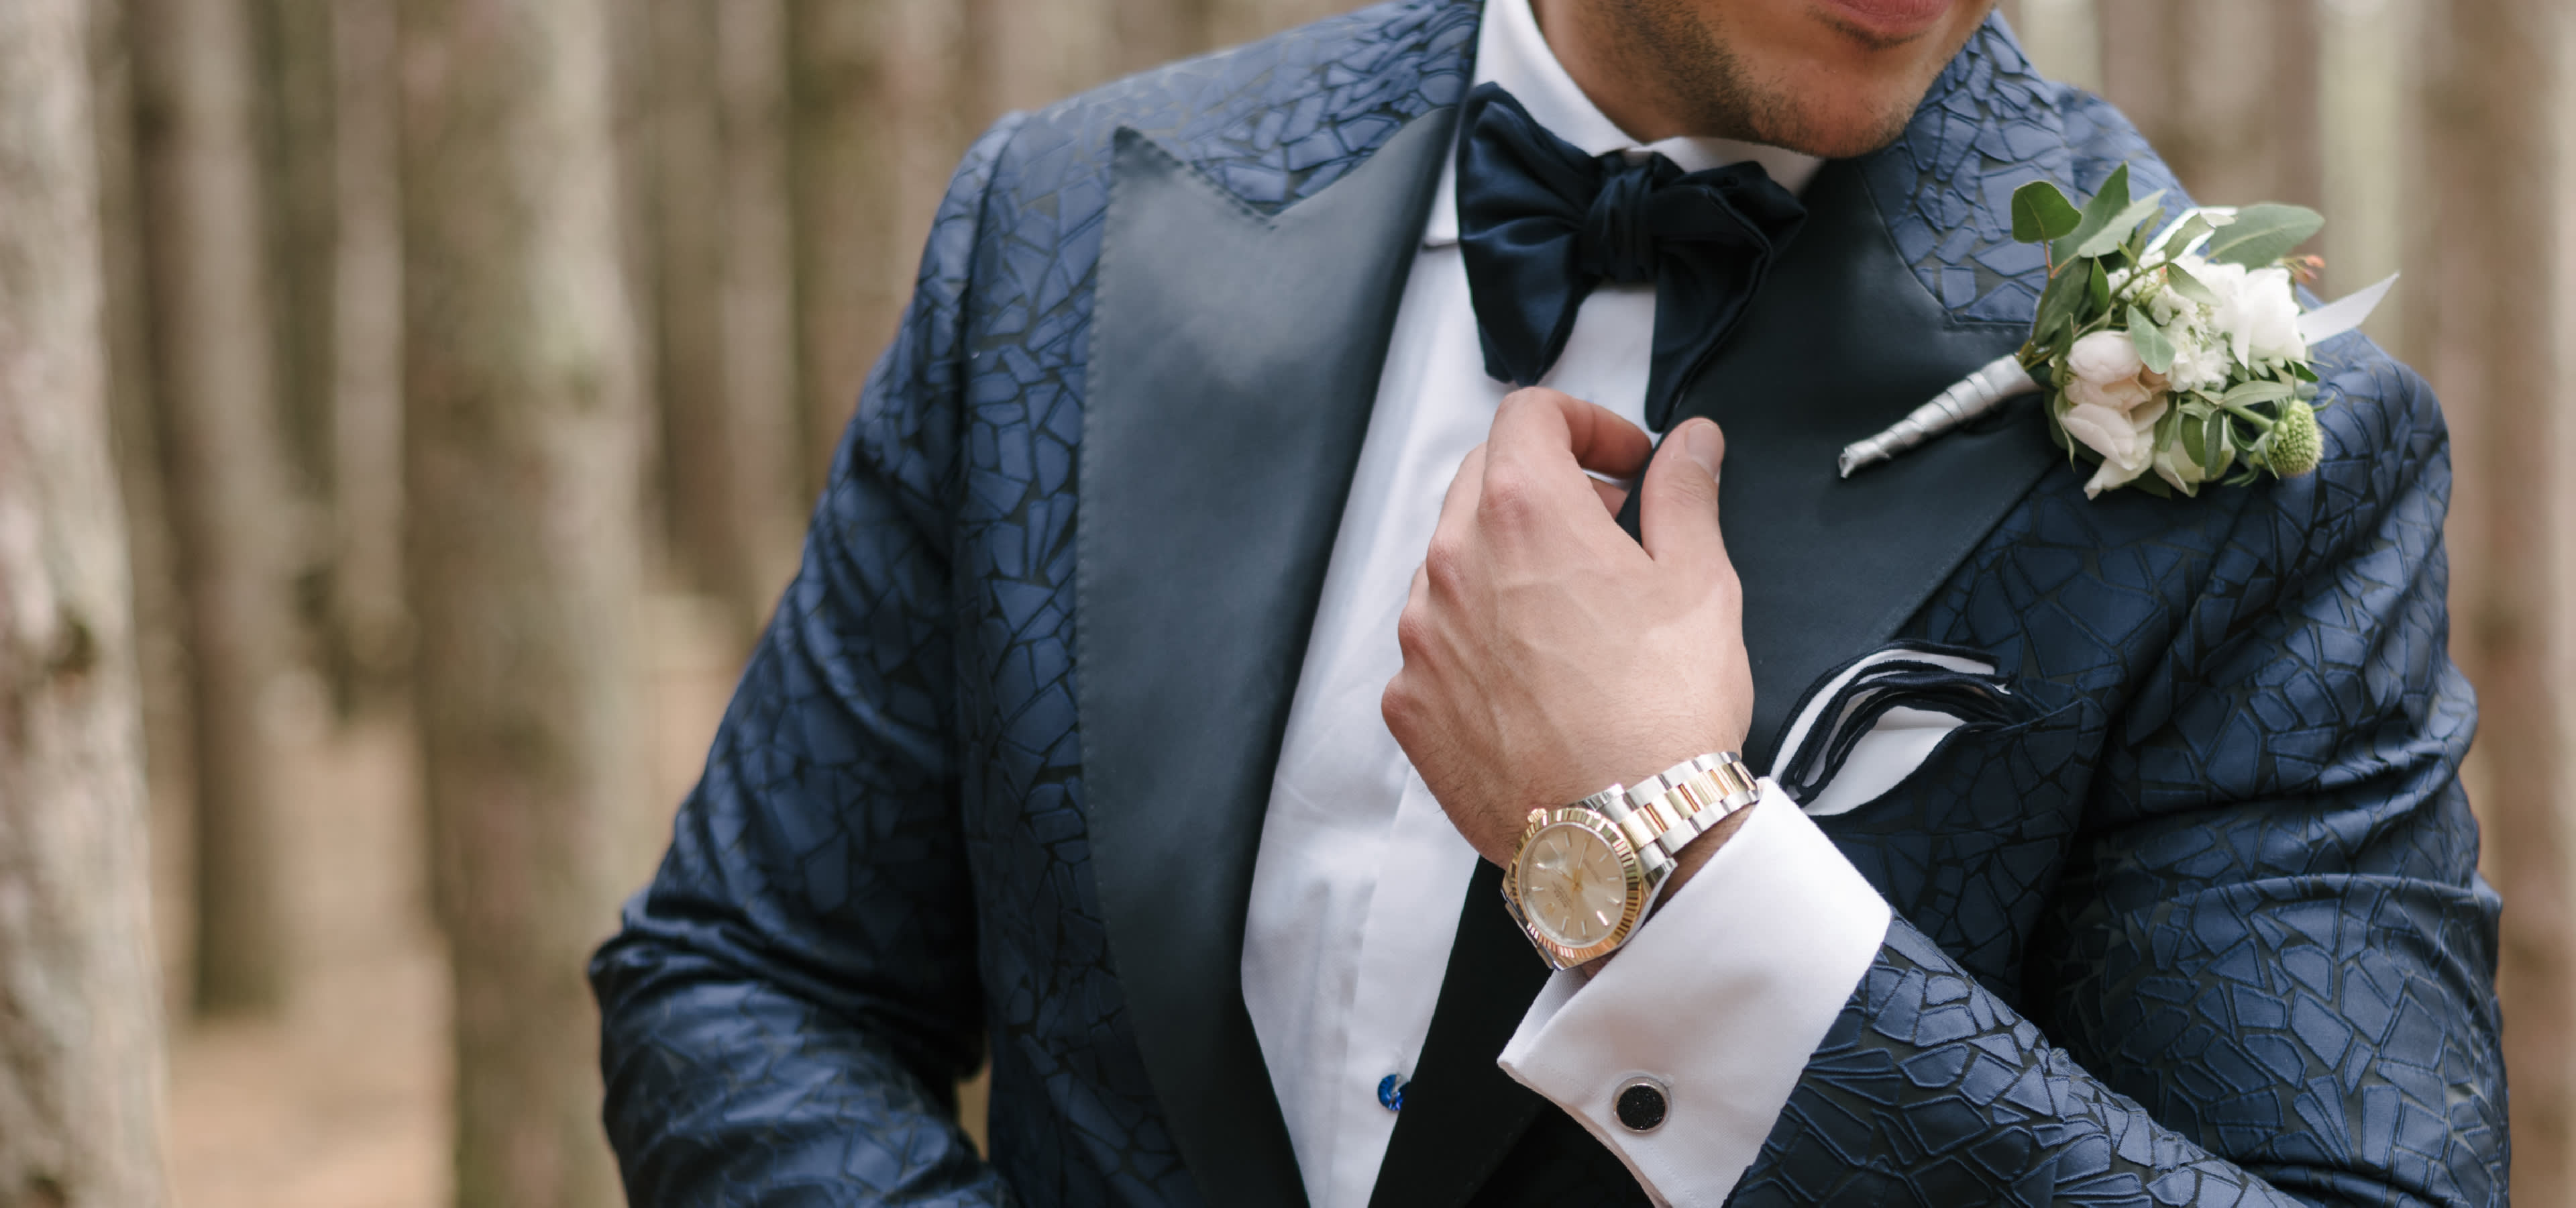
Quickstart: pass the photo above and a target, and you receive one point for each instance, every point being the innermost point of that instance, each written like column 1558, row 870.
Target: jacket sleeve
column 788, row 1006
column 2268, row 976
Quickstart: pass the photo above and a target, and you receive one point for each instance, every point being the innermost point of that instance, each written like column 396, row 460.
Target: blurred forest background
column 409, row 410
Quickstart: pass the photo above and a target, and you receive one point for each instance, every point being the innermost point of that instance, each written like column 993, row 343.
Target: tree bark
column 160, row 638
column 80, row 1015
column 524, row 555
column 2366, row 64
column 765, row 496
column 1021, row 54
column 369, row 616
column 2225, row 90
column 297, row 102
column 688, row 297
column 2496, row 98
column 725, row 296
column 850, row 283
column 230, row 511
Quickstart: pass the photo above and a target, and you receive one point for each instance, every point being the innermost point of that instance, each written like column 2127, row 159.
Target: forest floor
column 342, row 1101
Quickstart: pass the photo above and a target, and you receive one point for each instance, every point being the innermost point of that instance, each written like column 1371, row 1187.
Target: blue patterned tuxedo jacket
column 2201, row 927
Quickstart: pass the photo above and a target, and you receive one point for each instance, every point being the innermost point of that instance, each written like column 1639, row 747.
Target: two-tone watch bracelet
column 1662, row 814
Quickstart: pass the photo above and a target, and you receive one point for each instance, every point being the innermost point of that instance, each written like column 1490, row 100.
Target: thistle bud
column 2297, row 444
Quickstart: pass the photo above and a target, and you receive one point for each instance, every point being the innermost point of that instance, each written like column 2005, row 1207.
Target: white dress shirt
column 1360, row 876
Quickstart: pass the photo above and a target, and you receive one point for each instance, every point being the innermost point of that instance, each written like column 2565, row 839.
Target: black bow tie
column 1540, row 223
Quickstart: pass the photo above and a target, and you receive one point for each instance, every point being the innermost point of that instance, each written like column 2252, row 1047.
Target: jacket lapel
column 1844, row 341
column 1234, row 359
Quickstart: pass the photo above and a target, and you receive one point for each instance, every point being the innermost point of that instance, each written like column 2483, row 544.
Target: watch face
column 1572, row 885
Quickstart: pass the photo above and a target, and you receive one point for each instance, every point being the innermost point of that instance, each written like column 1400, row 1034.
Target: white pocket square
column 1870, row 723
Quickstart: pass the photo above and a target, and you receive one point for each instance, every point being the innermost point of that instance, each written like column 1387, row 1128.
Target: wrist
column 1694, row 856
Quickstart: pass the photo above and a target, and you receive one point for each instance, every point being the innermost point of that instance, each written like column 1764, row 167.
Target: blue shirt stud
column 1390, row 1092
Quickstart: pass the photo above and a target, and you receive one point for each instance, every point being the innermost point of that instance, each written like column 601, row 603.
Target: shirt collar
column 1511, row 51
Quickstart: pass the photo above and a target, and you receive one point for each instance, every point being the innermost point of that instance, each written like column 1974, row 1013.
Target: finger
column 1542, row 422
column 1458, row 507
column 1613, row 496
column 1677, row 508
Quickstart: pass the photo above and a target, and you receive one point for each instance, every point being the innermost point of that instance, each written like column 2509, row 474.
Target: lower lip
column 1891, row 18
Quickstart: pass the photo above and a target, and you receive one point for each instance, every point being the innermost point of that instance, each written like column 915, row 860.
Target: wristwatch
column 1584, row 874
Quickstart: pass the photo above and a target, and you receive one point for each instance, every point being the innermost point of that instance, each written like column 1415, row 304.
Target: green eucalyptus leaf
column 2058, row 304
column 2097, row 291
column 2113, row 198
column 2263, row 233
column 2168, row 428
column 2213, row 454
column 2246, row 475
column 2040, row 213
column 2121, row 226
column 2189, row 286
column 2191, row 228
column 2153, row 348
column 2250, row 393
column 2193, row 437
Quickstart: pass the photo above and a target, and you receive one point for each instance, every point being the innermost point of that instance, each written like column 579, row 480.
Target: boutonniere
column 2176, row 347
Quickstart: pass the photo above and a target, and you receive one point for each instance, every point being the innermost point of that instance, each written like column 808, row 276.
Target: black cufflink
column 1641, row 1105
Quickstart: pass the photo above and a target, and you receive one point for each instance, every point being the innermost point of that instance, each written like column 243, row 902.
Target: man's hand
column 1547, row 655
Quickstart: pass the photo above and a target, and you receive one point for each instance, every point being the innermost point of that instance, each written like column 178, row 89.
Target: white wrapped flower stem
column 2000, row 380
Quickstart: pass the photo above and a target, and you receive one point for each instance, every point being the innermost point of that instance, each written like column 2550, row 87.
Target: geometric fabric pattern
column 2206, row 929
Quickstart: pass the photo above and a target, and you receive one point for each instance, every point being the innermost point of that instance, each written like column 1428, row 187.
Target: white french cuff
column 1713, row 1008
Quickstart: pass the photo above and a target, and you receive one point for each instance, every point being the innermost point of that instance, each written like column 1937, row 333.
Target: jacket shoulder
column 1273, row 121
column 1990, row 124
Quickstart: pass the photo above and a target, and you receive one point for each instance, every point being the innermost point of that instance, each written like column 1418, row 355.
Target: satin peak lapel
column 1844, row 341
column 1234, row 360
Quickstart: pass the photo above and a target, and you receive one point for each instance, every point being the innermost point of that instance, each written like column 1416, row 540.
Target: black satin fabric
column 1540, row 223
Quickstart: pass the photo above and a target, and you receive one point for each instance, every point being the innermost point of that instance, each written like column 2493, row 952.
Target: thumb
column 1677, row 502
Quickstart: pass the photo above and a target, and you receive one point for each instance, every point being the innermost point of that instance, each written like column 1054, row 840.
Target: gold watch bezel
column 1632, row 872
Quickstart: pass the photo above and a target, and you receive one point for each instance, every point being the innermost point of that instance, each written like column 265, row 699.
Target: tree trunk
column 294, row 59
column 369, row 617
column 2063, row 37
column 734, row 487
column 227, row 472
column 160, row 640
column 850, row 281
column 1230, row 22
column 2496, row 101
column 635, row 80
column 524, row 555
column 1022, row 54
column 2366, row 64
column 687, row 299
column 2225, row 90
column 80, row 1014
column 765, row 497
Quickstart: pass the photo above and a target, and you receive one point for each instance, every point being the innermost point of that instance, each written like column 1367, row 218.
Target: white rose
column 2266, row 323
column 2104, row 358
column 2256, row 313
column 2122, row 397
column 2124, row 439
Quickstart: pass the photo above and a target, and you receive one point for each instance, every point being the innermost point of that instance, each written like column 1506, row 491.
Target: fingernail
column 1703, row 443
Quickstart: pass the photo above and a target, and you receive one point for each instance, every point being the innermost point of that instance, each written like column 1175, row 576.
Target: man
column 1198, row 613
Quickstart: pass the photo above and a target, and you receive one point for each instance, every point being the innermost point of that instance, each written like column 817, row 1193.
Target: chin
column 1837, row 127
column 1845, row 89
